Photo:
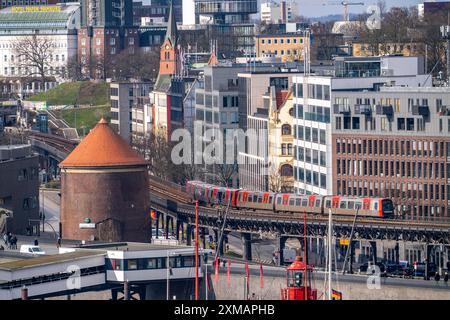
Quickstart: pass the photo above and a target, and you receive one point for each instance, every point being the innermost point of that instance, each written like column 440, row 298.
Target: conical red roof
column 102, row 147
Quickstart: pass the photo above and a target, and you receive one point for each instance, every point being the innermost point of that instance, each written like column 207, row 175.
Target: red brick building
column 104, row 182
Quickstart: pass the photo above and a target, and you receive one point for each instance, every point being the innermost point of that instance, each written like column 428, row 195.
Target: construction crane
column 345, row 4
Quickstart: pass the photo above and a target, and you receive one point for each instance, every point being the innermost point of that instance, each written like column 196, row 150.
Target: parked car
column 366, row 268
column 161, row 235
column 31, row 249
column 419, row 269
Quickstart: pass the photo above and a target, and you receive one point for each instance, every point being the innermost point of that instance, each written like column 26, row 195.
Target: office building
column 228, row 24
column 19, row 189
column 52, row 28
column 282, row 12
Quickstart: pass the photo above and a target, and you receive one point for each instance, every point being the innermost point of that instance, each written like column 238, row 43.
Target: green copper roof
column 36, row 19
column 172, row 31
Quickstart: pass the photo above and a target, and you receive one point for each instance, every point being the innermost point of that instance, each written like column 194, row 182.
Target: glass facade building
column 228, row 24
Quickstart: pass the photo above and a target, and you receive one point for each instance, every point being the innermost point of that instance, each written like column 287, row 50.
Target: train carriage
column 256, row 200
column 366, row 207
column 288, row 202
column 212, row 195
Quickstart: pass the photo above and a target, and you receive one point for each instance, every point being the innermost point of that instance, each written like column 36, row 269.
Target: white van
column 30, row 249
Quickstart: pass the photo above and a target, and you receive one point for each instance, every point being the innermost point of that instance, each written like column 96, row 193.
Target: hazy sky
column 315, row 8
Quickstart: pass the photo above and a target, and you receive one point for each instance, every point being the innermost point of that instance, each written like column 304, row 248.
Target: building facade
column 287, row 47
column 106, row 30
column 394, row 143
column 283, row 12
column 130, row 108
column 228, row 23
column 51, row 28
column 104, row 183
column 19, row 189
column 254, row 160
column 281, row 141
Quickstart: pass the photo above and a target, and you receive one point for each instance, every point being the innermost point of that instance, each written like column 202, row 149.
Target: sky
column 315, row 8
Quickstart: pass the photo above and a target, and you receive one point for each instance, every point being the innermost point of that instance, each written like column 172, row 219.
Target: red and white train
column 212, row 195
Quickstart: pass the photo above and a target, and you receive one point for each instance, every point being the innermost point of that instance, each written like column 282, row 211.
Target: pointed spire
column 172, row 31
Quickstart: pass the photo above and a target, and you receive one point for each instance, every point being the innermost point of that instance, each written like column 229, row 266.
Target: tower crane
column 345, row 4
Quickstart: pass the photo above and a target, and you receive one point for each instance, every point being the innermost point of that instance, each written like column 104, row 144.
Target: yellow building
column 287, row 47
column 409, row 49
column 281, row 141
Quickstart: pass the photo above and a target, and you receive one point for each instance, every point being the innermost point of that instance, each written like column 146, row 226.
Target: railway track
column 177, row 195
column 58, row 143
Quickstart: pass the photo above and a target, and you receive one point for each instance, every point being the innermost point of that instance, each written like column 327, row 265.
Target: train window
column 298, row 202
column 358, row 205
column 351, row 205
column 270, row 199
column 259, row 199
column 328, row 204
column 317, row 203
column 376, row 206
column 343, row 205
column 305, row 202
column 292, row 202
column 279, row 200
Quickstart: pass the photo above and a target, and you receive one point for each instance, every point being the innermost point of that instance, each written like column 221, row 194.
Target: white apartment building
column 283, row 12
column 57, row 25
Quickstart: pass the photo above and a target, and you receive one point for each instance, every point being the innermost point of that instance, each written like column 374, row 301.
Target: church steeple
column 169, row 54
column 172, row 31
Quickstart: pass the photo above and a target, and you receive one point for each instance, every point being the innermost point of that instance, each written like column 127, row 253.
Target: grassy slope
column 71, row 93
column 85, row 117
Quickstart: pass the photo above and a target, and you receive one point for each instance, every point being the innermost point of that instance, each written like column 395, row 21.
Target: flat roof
column 134, row 246
column 48, row 259
column 14, row 146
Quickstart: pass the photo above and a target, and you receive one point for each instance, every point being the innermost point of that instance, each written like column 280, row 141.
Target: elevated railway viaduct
column 175, row 212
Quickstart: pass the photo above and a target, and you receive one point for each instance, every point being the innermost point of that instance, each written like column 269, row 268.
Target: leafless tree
column 275, row 179
column 33, row 56
column 75, row 69
column 141, row 65
column 225, row 173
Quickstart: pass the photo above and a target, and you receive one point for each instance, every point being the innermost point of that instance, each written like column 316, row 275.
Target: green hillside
column 76, row 93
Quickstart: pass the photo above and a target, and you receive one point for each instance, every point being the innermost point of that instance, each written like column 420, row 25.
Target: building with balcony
column 315, row 102
column 394, row 143
column 228, row 23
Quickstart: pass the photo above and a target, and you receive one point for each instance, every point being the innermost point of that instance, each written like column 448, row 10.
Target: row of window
column 98, row 51
column 25, row 71
column 310, row 134
column 313, row 178
column 410, row 169
column 311, row 156
column 282, row 52
column 406, row 191
column 150, row 263
column 225, row 117
column 403, row 124
column 112, row 41
column 23, row 59
column 400, row 148
column 27, row 174
column 282, row 41
column 312, row 113
column 315, row 91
